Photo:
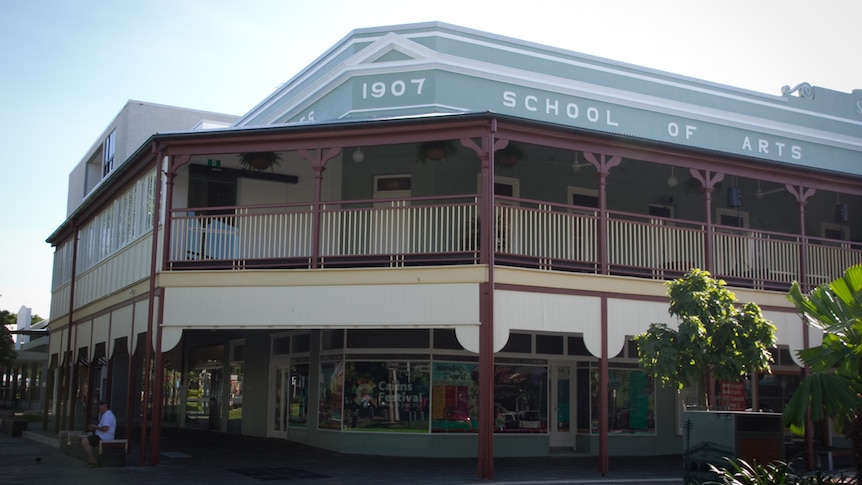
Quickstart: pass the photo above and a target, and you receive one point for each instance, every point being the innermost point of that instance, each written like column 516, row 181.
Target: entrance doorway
column 561, row 426
column 203, row 404
column 280, row 398
column 288, row 404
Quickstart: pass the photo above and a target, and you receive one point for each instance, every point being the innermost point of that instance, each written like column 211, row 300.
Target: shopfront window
column 331, row 392
column 234, row 423
column 386, row 396
column 237, row 357
column 520, row 398
column 171, row 395
column 631, row 402
column 775, row 391
column 455, row 398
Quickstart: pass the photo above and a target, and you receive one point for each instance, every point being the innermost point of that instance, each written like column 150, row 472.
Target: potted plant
column 435, row 150
column 259, row 160
column 510, row 155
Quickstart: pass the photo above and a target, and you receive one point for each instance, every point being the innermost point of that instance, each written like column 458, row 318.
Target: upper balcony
column 556, row 206
column 528, row 233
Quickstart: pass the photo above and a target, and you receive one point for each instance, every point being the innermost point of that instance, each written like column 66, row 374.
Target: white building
column 446, row 204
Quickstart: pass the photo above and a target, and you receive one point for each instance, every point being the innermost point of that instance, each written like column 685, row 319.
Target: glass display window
column 386, row 396
column 520, row 398
column 234, row 424
column 455, row 397
column 631, row 402
column 330, row 414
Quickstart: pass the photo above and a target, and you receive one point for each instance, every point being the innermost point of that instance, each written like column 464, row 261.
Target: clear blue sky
column 67, row 67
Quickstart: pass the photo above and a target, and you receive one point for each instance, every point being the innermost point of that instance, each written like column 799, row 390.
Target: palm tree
column 834, row 387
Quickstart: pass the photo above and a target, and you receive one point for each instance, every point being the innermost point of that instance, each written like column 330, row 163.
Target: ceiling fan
column 763, row 193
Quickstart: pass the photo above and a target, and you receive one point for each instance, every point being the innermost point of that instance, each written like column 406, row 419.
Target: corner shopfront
column 415, row 392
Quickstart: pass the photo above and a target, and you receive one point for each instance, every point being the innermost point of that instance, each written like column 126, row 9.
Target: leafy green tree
column 714, row 337
column 834, row 386
column 7, row 344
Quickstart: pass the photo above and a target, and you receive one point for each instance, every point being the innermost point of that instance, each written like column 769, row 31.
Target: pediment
column 394, row 56
column 322, row 78
column 391, row 48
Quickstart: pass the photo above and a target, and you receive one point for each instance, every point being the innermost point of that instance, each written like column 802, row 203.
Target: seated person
column 105, row 430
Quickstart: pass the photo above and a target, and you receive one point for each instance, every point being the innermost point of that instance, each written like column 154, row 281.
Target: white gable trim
column 388, row 43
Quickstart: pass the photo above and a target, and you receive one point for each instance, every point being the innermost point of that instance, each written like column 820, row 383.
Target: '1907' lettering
column 397, row 88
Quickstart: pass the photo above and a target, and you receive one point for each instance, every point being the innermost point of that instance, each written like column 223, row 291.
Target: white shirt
column 107, row 419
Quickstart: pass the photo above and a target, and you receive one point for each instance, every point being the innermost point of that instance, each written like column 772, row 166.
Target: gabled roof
column 433, row 68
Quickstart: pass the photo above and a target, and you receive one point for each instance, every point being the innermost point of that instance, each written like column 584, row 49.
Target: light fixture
column 841, row 213
column 734, row 197
column 576, row 166
column 672, row 180
column 358, row 156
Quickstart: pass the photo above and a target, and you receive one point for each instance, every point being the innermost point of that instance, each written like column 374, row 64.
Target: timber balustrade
column 447, row 230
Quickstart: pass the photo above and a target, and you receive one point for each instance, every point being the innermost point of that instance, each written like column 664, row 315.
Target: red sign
column 733, row 396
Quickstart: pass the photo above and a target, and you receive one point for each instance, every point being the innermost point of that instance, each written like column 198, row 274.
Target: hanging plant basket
column 259, row 160
column 510, row 156
column 435, row 150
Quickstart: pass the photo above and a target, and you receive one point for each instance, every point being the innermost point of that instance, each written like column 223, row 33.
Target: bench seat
column 113, row 452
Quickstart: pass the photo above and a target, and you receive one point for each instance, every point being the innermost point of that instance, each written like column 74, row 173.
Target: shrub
column 776, row 472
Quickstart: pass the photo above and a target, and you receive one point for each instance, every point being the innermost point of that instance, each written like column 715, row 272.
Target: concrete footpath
column 189, row 456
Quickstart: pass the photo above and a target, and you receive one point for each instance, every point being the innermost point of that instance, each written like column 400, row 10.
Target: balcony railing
column 434, row 231
column 399, row 232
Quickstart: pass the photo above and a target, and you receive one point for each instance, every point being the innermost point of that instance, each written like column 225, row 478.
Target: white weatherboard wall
column 121, row 325
column 633, row 317
column 126, row 321
column 545, row 312
column 788, row 330
column 83, row 338
column 372, row 306
column 139, row 323
column 54, row 346
column 101, row 332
